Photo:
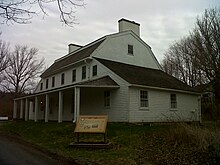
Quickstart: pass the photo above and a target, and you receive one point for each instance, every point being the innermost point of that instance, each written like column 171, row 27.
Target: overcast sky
column 161, row 23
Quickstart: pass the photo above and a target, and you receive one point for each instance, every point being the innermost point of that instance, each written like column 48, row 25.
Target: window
column 94, row 70
column 143, row 99
column 83, row 72
column 53, row 81
column 173, row 101
column 130, row 49
column 74, row 75
column 47, row 83
column 107, row 98
column 41, row 86
column 62, row 78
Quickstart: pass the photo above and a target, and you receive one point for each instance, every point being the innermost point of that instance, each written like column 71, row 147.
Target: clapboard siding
column 159, row 107
column 115, row 48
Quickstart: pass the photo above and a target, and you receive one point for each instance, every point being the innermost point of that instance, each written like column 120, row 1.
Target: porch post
column 26, row 110
column 15, row 110
column 36, row 109
column 60, row 111
column 21, row 109
column 77, row 104
column 47, row 108
column 31, row 107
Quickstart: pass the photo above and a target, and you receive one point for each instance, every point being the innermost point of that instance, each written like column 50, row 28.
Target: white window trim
column 140, row 107
column 174, row 109
column 109, row 106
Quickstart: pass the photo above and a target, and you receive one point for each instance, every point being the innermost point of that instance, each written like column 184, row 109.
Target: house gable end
column 115, row 48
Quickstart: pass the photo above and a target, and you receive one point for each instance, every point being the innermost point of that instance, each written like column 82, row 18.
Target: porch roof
column 101, row 82
column 137, row 75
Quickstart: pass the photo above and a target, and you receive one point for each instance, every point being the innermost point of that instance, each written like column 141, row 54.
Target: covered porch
column 67, row 103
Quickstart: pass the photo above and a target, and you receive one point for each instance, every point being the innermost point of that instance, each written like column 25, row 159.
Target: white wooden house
column 116, row 75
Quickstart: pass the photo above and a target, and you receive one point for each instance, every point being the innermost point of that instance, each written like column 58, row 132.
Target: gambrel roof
column 136, row 75
column 71, row 58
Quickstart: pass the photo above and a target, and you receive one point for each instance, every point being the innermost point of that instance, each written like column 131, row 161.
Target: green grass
column 132, row 144
column 56, row 138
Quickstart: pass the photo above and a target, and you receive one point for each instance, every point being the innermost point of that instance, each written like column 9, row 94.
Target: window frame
column 130, row 49
column 73, row 75
column 62, row 78
column 47, row 83
column 144, row 99
column 53, row 82
column 94, row 70
column 83, row 72
column 173, row 102
column 107, row 99
column 41, row 86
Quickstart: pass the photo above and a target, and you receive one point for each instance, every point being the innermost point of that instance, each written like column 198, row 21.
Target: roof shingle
column 145, row 76
column 70, row 59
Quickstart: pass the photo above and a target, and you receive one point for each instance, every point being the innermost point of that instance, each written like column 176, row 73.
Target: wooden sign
column 91, row 124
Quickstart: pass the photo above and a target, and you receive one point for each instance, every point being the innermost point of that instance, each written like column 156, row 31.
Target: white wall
column 159, row 107
column 115, row 48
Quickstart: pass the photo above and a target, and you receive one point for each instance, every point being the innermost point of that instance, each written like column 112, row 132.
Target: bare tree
column 181, row 62
column 4, row 58
column 206, row 39
column 196, row 59
column 23, row 69
column 22, row 11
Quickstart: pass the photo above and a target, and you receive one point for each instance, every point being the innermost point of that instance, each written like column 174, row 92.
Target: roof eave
column 165, row 89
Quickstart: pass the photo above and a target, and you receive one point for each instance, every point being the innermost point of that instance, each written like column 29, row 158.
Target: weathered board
column 91, row 124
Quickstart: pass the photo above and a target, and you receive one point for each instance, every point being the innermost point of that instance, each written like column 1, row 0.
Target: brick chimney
column 125, row 25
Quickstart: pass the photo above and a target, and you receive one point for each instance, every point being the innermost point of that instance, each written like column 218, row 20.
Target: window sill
column 144, row 108
column 173, row 109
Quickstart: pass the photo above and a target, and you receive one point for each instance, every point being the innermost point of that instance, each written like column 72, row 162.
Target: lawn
column 132, row 143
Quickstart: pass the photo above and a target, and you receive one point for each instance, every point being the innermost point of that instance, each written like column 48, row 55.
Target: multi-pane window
column 62, row 78
column 173, row 101
column 130, row 49
column 47, row 81
column 107, row 98
column 53, row 81
column 41, row 86
column 83, row 72
column 74, row 75
column 143, row 99
column 94, row 70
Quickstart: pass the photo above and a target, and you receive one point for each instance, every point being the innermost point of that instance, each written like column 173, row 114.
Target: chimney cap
column 123, row 19
column 75, row 45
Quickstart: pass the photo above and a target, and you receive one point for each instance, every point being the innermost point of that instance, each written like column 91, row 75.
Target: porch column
column 36, row 109
column 15, row 110
column 21, row 109
column 31, row 108
column 26, row 110
column 77, row 104
column 47, row 108
column 60, row 111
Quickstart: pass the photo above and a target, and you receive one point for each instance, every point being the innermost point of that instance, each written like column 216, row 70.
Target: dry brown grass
column 181, row 144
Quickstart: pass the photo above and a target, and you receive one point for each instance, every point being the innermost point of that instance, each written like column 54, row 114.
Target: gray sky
column 161, row 23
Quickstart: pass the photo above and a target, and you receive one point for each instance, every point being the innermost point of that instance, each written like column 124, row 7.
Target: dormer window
column 130, row 49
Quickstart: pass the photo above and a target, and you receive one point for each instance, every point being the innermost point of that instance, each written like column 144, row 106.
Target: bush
column 181, row 144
